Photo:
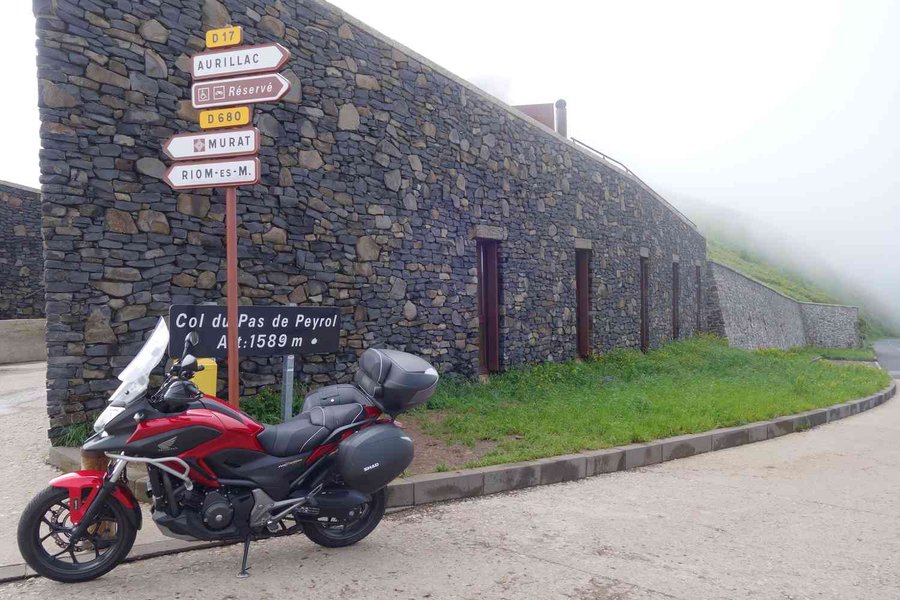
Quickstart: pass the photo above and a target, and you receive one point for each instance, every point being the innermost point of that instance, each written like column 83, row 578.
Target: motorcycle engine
column 217, row 511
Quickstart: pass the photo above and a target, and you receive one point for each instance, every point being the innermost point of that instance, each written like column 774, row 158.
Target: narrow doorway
column 489, row 305
column 676, row 293
column 583, row 301
column 645, row 303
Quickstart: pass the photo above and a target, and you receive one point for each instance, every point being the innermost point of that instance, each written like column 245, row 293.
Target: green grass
column 839, row 353
column 790, row 284
column 624, row 397
column 74, row 435
column 265, row 407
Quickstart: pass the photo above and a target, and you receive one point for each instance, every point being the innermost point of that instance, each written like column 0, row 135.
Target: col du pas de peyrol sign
column 262, row 330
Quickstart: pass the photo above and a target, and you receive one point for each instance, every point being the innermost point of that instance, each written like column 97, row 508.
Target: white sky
column 786, row 110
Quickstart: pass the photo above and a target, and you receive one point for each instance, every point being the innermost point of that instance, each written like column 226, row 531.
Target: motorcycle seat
column 335, row 395
column 308, row 429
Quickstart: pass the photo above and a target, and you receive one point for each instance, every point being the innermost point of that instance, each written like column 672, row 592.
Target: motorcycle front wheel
column 44, row 537
column 335, row 534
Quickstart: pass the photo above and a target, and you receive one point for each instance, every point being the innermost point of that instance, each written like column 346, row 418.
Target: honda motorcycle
column 216, row 474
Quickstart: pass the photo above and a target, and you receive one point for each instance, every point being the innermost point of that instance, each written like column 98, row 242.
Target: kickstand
column 243, row 574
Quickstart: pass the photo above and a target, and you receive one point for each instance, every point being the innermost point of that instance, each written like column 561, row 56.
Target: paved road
column 814, row 515
column 24, row 469
column 888, row 352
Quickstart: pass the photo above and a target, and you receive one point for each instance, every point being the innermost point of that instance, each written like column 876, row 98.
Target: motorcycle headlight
column 110, row 413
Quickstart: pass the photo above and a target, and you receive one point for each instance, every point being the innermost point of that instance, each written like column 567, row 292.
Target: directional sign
column 213, row 144
column 222, row 38
column 216, row 173
column 240, row 90
column 262, row 330
column 225, row 117
column 239, row 61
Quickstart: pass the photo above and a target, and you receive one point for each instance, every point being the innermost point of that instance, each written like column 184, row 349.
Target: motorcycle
column 216, row 474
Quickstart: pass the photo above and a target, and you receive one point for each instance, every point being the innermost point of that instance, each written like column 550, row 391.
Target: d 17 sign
column 213, row 144
column 262, row 330
column 239, row 61
column 240, row 90
column 216, row 173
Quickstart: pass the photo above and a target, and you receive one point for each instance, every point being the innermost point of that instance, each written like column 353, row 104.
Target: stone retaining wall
column 378, row 171
column 21, row 253
column 756, row 316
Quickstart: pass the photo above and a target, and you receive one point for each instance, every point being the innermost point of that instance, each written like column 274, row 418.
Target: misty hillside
column 790, row 283
column 784, row 260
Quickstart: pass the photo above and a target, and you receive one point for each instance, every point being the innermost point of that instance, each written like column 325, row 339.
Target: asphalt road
column 888, row 352
column 813, row 515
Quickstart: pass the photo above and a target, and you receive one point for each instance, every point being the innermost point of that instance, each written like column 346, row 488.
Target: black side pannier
column 396, row 381
column 370, row 459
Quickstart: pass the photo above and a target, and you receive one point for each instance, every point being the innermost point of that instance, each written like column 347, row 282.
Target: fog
column 781, row 116
column 781, row 112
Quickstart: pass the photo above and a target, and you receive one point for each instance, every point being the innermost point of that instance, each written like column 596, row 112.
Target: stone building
column 21, row 253
column 390, row 188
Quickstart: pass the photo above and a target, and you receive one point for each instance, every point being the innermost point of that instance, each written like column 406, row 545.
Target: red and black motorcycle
column 216, row 474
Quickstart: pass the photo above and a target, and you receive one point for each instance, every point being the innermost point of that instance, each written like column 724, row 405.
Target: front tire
column 337, row 535
column 44, row 531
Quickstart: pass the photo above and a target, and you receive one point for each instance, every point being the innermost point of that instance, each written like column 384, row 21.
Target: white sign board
column 245, row 60
column 216, row 173
column 213, row 144
column 214, row 93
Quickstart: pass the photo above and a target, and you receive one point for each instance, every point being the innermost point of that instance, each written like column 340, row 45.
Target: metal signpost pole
column 287, row 384
column 231, row 273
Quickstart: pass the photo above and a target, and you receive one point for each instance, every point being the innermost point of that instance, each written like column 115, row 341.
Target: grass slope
column 788, row 283
column 624, row 396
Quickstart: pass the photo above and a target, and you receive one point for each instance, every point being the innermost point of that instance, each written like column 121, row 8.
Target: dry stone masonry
column 752, row 315
column 21, row 253
column 378, row 171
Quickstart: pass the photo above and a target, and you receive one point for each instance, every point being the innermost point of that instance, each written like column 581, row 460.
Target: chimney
column 561, row 117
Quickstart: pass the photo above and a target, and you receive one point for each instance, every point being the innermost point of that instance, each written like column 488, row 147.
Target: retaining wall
column 21, row 253
column 379, row 170
column 753, row 315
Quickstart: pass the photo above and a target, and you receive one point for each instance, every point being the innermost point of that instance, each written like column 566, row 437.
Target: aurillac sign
column 225, row 117
column 216, row 173
column 245, row 60
column 214, row 144
column 224, row 37
column 239, row 90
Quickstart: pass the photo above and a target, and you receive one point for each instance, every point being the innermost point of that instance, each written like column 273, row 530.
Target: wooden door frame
column 488, row 269
column 583, row 321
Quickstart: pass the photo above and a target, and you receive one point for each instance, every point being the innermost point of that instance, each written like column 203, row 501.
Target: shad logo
column 168, row 445
column 370, row 467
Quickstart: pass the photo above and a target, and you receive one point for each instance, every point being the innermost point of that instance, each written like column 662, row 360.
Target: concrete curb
column 470, row 483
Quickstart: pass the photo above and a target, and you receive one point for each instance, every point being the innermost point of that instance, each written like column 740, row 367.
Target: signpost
column 236, row 163
column 262, row 330
column 214, row 173
column 216, row 144
column 239, row 90
column 245, row 60
column 235, row 116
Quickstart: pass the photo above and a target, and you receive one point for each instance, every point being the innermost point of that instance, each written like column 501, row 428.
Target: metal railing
column 621, row 166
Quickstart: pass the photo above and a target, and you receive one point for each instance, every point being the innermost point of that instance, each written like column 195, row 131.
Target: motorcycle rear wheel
column 45, row 530
column 339, row 534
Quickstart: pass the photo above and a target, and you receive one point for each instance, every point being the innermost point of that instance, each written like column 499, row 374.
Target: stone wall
column 21, row 253
column 378, row 170
column 756, row 316
column 831, row 325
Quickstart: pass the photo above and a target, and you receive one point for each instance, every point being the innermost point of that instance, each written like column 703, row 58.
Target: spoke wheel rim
column 54, row 538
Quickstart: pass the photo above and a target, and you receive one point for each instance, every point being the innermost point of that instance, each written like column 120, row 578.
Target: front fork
column 96, row 501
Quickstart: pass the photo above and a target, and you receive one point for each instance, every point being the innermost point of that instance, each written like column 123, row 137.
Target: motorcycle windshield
column 138, row 370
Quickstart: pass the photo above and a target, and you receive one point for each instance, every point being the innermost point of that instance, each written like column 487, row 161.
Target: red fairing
column 235, row 434
column 78, row 481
